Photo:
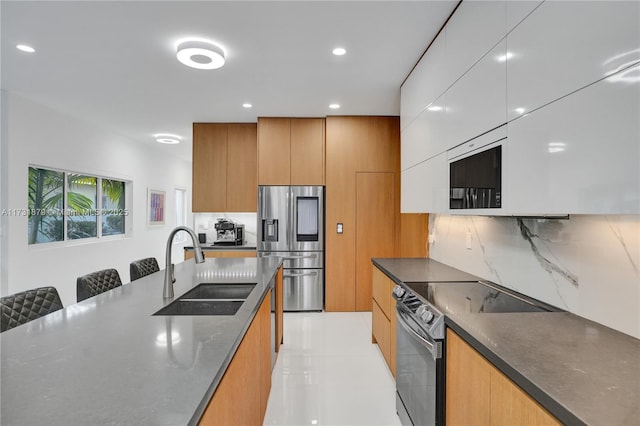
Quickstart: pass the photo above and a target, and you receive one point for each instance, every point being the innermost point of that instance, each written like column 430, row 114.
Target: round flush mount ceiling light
column 339, row 51
column 167, row 138
column 25, row 48
column 246, row 105
column 334, row 106
column 200, row 54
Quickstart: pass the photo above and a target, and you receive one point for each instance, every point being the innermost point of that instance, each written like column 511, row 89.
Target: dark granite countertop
column 108, row 360
column 223, row 248
column 414, row 270
column 581, row 371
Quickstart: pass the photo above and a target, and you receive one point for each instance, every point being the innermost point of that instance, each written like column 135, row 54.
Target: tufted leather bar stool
column 97, row 282
column 143, row 267
column 29, row 305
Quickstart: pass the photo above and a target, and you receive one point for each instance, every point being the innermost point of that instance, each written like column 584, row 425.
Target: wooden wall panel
column 242, row 168
column 353, row 144
column 375, row 228
column 413, row 235
column 307, row 151
column 209, row 167
column 274, row 151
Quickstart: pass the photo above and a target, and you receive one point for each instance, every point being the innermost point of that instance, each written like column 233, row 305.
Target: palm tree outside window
column 70, row 206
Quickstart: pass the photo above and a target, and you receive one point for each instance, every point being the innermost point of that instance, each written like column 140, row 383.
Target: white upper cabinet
column 565, row 45
column 580, row 154
column 425, row 136
column 472, row 31
column 477, row 102
column 425, row 187
column 425, row 84
column 518, row 10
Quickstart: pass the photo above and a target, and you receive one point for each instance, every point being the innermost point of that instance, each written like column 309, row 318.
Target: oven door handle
column 431, row 347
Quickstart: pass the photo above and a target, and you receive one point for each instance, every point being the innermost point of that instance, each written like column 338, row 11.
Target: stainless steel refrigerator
column 291, row 226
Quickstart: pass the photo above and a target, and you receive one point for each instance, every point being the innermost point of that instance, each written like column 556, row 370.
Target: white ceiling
column 114, row 63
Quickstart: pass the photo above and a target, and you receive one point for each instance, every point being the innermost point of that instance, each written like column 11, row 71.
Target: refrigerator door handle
column 307, row 256
column 292, row 274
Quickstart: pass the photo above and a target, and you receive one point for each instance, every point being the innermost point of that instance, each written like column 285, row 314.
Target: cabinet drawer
column 381, row 331
column 381, row 291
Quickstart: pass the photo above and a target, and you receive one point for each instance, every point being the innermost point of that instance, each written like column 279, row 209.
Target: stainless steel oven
column 420, row 340
column 420, row 369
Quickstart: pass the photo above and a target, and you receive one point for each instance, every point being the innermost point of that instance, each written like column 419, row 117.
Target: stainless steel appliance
column 475, row 182
column 291, row 226
column 421, row 343
column 229, row 233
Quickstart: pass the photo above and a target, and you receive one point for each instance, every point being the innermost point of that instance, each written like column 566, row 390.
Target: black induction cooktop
column 476, row 298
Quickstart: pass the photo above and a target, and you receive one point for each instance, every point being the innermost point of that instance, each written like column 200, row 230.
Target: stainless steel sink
column 219, row 291
column 210, row 299
column 201, row 307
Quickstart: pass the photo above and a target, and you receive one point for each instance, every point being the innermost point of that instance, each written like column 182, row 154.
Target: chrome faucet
column 169, row 278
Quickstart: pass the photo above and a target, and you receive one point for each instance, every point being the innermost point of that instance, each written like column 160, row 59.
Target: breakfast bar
column 110, row 360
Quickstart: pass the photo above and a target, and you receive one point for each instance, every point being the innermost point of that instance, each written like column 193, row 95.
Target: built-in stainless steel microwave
column 475, row 180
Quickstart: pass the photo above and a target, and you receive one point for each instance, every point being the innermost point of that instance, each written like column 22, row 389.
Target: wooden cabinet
column 225, row 167
column 242, row 394
column 360, row 151
column 477, row 393
column 291, row 151
column 384, row 317
column 375, row 228
column 188, row 253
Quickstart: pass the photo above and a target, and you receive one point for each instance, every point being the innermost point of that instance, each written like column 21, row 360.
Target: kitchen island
column 109, row 360
column 579, row 371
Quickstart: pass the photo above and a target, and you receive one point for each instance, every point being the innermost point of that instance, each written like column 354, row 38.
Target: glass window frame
column 66, row 241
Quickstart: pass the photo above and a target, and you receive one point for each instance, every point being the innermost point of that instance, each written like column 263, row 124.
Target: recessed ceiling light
column 247, row 105
column 520, row 110
column 200, row 54
column 25, row 48
column 334, row 106
column 435, row 108
column 167, row 138
column 339, row 51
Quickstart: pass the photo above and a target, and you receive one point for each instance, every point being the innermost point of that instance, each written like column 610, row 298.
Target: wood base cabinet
column 384, row 317
column 242, row 394
column 479, row 394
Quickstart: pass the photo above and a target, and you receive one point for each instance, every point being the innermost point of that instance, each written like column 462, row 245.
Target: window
column 181, row 214
column 71, row 206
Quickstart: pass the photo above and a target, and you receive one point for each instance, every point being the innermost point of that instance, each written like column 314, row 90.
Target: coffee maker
column 229, row 233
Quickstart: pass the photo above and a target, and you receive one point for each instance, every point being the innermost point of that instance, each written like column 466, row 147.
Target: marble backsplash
column 588, row 265
column 205, row 222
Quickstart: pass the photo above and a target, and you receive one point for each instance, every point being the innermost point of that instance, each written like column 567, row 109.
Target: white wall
column 588, row 265
column 35, row 134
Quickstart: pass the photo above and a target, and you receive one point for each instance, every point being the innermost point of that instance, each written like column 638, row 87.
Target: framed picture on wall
column 156, row 204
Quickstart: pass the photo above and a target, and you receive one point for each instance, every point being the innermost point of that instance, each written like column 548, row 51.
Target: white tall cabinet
column 565, row 79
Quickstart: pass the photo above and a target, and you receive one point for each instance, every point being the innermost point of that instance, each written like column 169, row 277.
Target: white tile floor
column 329, row 373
